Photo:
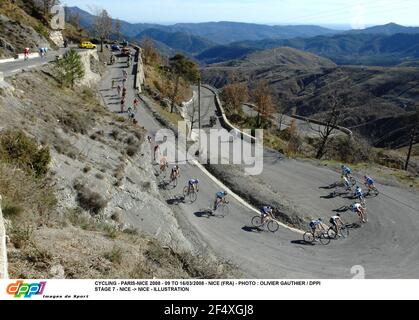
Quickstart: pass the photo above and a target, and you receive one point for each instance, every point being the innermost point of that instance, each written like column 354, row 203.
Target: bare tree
column 264, row 103
column 330, row 124
column 150, row 53
column 412, row 138
column 234, row 95
column 117, row 29
column 102, row 25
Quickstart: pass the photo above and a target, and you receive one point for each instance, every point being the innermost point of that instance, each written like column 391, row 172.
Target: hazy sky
column 356, row 13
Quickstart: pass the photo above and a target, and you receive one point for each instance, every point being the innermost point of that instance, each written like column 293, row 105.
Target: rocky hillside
column 378, row 102
column 80, row 197
column 95, row 210
column 21, row 25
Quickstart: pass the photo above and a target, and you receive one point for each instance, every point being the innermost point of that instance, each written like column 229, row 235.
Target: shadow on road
column 251, row 229
column 329, row 196
column 302, row 242
column 175, row 201
column 203, row 213
column 341, row 209
column 332, row 186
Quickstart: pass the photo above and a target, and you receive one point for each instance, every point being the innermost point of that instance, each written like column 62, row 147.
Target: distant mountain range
column 355, row 48
column 213, row 42
column 378, row 103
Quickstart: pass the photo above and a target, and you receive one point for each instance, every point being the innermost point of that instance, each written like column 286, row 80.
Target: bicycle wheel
column 324, row 239
column 185, row 192
column 332, row 233
column 273, row 226
column 193, row 196
column 308, row 237
column 257, row 221
column 223, row 210
column 174, row 182
column 344, row 231
column 352, row 180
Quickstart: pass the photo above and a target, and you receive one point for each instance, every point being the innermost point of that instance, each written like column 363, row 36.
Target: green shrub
column 42, row 30
column 11, row 210
column 114, row 256
column 89, row 200
column 21, row 235
column 18, row 149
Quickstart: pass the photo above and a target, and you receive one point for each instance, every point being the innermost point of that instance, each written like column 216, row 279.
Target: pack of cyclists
column 266, row 212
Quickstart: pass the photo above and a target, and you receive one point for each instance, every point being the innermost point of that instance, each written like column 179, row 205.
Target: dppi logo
column 26, row 290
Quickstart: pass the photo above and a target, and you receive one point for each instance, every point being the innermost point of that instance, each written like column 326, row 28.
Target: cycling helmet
column 197, row 181
column 225, row 192
column 320, row 219
column 338, row 215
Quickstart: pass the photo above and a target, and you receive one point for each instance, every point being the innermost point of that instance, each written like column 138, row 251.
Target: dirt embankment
column 257, row 193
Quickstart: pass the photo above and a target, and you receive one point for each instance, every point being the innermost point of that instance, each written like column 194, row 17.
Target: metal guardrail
column 342, row 129
column 139, row 72
column 3, row 248
column 224, row 120
column 318, row 122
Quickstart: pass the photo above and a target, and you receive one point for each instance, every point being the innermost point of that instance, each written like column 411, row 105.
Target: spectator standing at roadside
column 122, row 105
column 119, row 90
column 26, row 53
column 136, row 103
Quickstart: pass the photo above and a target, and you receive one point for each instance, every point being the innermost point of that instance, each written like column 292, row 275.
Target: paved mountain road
column 386, row 247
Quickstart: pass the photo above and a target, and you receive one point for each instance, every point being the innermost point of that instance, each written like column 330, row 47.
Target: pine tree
column 70, row 69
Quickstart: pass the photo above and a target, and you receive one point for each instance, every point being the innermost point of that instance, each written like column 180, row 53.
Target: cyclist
column 193, row 184
column 346, row 171
column 359, row 210
column 156, row 151
column 337, row 222
column 163, row 163
column 175, row 173
column 359, row 193
column 317, row 225
column 266, row 212
column 122, row 105
column 26, row 53
column 219, row 197
column 346, row 182
column 369, row 183
column 136, row 103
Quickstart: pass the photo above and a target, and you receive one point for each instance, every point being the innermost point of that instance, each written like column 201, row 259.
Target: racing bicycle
column 190, row 193
column 321, row 236
column 270, row 223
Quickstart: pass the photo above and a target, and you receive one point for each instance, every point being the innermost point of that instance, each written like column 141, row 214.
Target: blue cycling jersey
column 315, row 223
column 370, row 181
column 346, row 170
column 265, row 210
column 221, row 195
column 193, row 181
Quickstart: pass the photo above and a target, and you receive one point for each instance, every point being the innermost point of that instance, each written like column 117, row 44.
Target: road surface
column 385, row 248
